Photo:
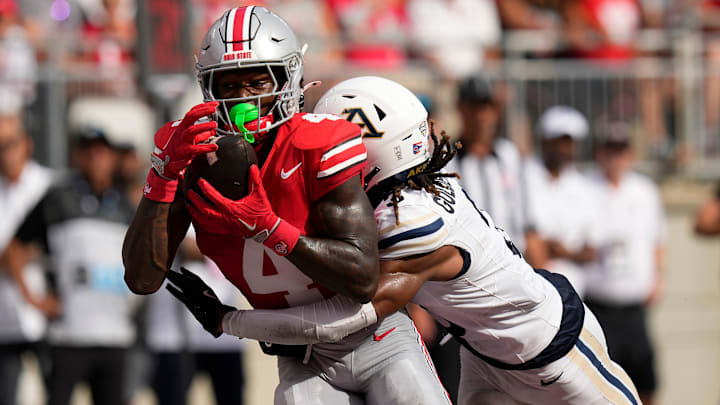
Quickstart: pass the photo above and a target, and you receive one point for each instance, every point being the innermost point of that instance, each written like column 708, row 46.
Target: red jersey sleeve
column 334, row 162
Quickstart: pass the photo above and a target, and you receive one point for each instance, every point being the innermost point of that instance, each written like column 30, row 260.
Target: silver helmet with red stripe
column 252, row 37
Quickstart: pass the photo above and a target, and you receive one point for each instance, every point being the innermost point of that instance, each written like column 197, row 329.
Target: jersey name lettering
column 445, row 197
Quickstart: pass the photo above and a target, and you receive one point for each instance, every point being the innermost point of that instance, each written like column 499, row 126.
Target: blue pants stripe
column 605, row 373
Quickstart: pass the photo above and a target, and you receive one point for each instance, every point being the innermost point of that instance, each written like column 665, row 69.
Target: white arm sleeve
column 325, row 321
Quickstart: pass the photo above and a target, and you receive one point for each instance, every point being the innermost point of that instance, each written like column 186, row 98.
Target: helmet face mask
column 246, row 39
column 393, row 121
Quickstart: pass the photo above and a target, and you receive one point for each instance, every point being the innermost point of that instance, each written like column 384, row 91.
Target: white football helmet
column 394, row 123
column 252, row 37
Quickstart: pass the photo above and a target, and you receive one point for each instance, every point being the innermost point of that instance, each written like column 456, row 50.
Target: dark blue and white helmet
column 394, row 123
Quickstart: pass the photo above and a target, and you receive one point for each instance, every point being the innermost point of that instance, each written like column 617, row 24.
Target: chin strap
column 301, row 103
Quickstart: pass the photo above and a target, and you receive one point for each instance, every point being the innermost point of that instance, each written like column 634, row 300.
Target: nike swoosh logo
column 546, row 383
column 208, row 294
column 378, row 338
column 248, row 226
column 287, row 174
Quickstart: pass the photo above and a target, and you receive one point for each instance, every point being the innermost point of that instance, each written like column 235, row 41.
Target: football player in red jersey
column 306, row 230
column 525, row 335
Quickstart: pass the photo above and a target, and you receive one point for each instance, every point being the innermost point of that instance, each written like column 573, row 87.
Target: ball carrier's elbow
column 143, row 280
column 366, row 292
column 139, row 287
column 365, row 285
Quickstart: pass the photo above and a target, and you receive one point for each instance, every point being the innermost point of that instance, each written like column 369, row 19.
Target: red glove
column 250, row 217
column 176, row 144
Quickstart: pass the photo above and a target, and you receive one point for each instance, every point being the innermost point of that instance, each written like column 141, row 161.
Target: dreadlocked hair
column 443, row 151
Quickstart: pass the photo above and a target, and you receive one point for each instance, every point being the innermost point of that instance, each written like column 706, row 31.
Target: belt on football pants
column 571, row 325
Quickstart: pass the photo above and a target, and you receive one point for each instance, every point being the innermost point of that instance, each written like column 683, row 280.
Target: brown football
column 226, row 169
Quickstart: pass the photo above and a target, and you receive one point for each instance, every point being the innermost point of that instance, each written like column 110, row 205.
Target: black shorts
column 174, row 372
column 103, row 368
column 628, row 341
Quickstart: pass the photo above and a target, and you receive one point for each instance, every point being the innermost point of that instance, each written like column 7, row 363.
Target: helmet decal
column 237, row 29
column 369, row 130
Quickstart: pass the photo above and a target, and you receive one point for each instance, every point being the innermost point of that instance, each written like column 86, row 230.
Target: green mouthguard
column 241, row 114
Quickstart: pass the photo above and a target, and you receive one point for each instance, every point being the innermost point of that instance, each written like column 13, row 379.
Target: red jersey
column 312, row 154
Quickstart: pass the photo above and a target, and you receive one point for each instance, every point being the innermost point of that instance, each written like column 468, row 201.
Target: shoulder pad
column 419, row 228
column 321, row 131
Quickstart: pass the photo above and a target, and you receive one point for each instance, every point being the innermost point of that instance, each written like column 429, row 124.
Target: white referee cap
column 561, row 120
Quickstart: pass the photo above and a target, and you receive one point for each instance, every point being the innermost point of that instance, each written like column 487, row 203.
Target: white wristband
column 325, row 321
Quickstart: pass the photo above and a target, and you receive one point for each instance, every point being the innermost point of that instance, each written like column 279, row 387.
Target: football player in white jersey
column 526, row 335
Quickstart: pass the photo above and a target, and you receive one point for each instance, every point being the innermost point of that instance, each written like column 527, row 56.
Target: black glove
column 199, row 298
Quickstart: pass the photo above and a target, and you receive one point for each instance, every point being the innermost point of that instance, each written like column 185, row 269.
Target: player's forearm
column 349, row 268
column 401, row 279
column 149, row 246
column 144, row 249
column 324, row 321
column 395, row 290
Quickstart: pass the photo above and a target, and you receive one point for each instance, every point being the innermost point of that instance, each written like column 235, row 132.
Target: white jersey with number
column 507, row 311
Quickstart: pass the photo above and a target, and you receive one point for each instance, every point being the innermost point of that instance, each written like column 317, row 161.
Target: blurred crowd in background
column 650, row 63
column 555, row 102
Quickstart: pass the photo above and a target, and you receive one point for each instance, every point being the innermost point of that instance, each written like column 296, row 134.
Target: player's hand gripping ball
column 251, row 216
column 226, row 169
column 176, row 144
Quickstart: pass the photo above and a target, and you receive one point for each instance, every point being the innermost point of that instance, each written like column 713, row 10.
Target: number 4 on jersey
column 264, row 272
